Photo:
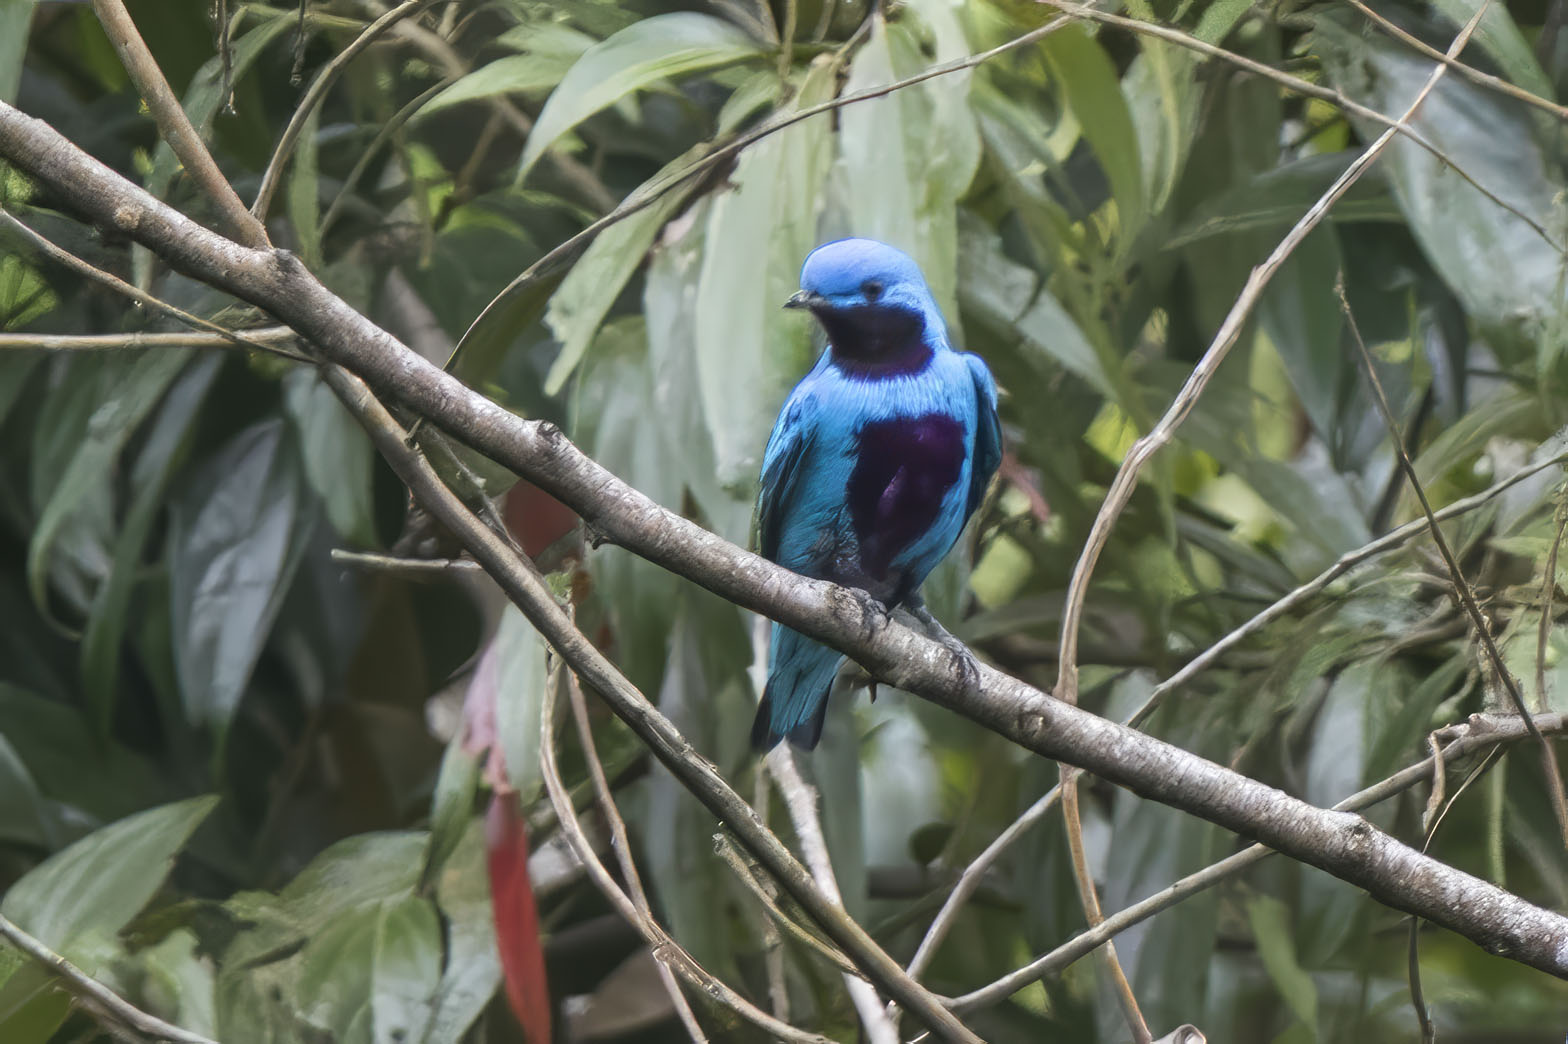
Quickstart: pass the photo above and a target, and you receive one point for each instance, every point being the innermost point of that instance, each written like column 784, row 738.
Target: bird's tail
column 795, row 699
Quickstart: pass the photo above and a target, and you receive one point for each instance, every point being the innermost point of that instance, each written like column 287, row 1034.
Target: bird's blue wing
column 787, row 447
column 988, row 433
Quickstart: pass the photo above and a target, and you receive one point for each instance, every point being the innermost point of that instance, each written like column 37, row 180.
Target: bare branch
column 800, row 798
column 173, row 124
column 623, row 848
column 143, row 339
column 57, row 253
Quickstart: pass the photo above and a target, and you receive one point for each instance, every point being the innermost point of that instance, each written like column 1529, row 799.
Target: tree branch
column 1341, row 844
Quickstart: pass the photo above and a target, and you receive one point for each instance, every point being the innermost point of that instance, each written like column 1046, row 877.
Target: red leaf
column 536, row 518
column 516, row 917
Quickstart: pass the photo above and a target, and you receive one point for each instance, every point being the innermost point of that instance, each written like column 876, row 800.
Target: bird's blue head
column 874, row 304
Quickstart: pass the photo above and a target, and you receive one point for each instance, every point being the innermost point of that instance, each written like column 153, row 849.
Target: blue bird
column 878, row 458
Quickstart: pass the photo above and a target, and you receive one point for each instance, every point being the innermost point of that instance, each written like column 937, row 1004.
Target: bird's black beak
column 804, row 299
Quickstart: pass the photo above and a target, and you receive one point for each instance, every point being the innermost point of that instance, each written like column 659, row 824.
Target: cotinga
column 878, row 458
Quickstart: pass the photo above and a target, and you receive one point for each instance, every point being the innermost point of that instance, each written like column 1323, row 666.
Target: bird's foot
column 964, row 663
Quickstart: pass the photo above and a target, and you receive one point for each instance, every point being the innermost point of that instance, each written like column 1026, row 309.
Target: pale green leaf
column 642, row 54
column 94, row 887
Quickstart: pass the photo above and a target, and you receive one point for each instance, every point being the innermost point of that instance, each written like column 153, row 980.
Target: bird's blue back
column 878, row 458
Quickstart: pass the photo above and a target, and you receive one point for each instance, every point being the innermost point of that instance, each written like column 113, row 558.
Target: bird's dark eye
column 872, row 289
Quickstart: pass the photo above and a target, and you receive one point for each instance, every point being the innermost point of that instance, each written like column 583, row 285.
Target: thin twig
column 1483, row 628
column 371, row 561
column 622, row 845
column 737, row 864
column 104, row 1003
column 1126, row 480
column 383, row 134
column 58, row 253
column 141, row 339
column 173, row 125
column 316, row 91
column 800, row 798
column 1480, row 731
column 1090, row 899
column 664, row 947
column 1413, row 962
column 1469, row 72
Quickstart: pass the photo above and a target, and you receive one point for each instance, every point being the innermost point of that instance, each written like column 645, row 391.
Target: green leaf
column 235, row 539
column 179, row 982
column 1150, row 846
column 515, row 665
column 637, row 57
column 588, row 292
column 1275, row 199
column 336, row 453
column 909, row 156
column 335, row 986
column 167, row 447
column 128, row 395
column 1092, row 89
column 452, row 806
column 1270, row 921
column 24, row 818
column 405, row 970
column 54, row 740
column 1504, row 272
column 16, row 17
column 1302, row 318
column 550, row 52
column 502, row 321
column 304, row 190
column 1502, row 41
column 706, row 695
column 94, row 887
column 472, row 970
column 749, row 350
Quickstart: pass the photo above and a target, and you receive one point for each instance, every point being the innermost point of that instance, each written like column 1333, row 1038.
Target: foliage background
column 175, row 629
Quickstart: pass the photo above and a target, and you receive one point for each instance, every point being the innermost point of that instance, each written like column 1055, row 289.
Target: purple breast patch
column 903, row 468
